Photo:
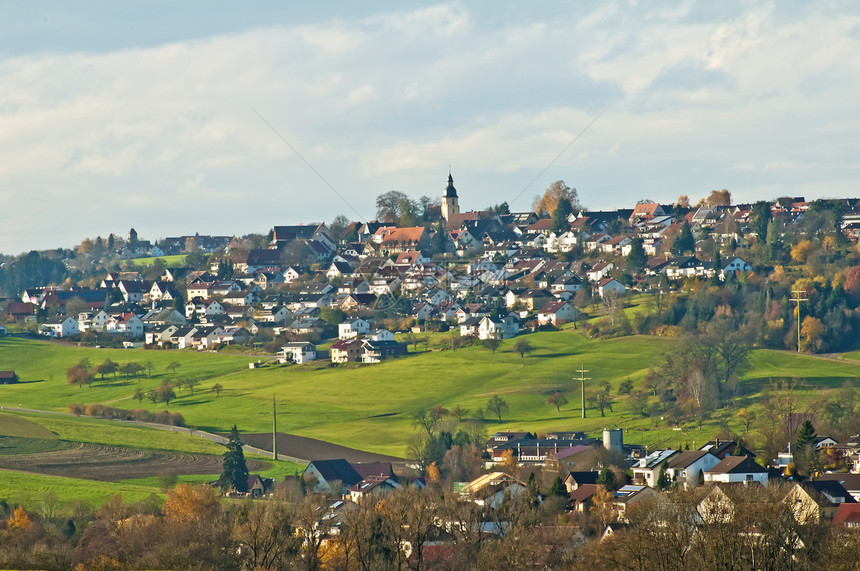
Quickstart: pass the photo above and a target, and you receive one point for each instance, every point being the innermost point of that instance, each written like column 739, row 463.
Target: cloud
column 165, row 137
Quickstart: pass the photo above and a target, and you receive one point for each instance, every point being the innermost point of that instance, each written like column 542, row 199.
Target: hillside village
column 490, row 274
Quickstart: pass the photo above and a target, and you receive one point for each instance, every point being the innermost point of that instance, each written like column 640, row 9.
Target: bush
column 76, row 409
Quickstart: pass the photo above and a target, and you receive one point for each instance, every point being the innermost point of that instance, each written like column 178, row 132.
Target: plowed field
column 105, row 463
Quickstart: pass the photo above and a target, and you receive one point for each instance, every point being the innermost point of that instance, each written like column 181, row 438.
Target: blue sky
column 145, row 114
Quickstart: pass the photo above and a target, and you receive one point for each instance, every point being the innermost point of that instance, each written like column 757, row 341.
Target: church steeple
column 450, row 191
column 450, row 202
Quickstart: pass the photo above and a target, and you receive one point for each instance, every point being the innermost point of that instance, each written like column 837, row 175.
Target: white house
column 299, row 352
column 93, row 320
column 733, row 265
column 381, row 335
column 557, row 313
column 59, row 327
column 352, row 328
column 685, row 468
column 498, row 329
column 125, row 324
column 610, row 285
column 599, row 271
column 736, row 469
column 159, row 334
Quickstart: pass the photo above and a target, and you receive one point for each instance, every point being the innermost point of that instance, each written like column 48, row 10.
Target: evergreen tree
column 559, row 217
column 235, row 471
column 663, row 477
column 440, row 240
column 684, row 241
column 606, row 478
column 806, row 434
column 637, row 258
column 557, row 488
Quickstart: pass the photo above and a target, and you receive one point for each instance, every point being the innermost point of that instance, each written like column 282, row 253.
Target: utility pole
column 582, row 378
column 274, row 429
column 797, row 293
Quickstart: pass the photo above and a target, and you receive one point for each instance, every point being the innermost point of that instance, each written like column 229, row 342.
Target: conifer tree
column 235, row 472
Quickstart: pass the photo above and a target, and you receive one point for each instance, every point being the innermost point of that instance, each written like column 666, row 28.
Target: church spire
column 450, row 191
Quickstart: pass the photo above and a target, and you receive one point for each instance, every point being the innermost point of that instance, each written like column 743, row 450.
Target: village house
column 736, row 469
column 297, row 352
column 61, row 326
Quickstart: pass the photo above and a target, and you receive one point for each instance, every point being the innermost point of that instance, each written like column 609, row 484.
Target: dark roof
column 368, row 469
column 737, row 465
column 830, row 489
column 583, row 492
column 684, row 459
column 583, row 477
column 336, row 470
column 450, row 191
column 848, row 481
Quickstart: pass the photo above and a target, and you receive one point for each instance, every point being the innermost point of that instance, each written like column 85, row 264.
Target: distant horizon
column 170, row 116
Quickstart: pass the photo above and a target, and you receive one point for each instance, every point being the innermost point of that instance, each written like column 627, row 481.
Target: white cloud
column 165, row 138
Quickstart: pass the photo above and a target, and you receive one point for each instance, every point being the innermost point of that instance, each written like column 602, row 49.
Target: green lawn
column 170, row 261
column 36, row 491
column 370, row 407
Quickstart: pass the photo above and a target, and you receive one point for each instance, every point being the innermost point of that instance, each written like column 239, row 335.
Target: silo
column 613, row 439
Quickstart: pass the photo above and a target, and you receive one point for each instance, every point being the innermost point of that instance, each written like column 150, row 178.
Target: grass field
column 170, row 261
column 36, row 491
column 370, row 407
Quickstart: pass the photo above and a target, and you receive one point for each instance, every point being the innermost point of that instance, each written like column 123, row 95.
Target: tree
column 172, row 366
column 637, row 258
column 811, row 331
column 459, row 413
column 234, row 473
column 106, row 368
column 393, row 205
column 557, row 400
column 190, row 383
column 683, row 241
column 719, row 198
column 602, row 399
column 559, row 217
column 806, row 435
column 165, row 393
column 429, row 419
column 606, row 478
column 77, row 375
column 625, row 387
column 554, row 194
column 760, row 217
column 522, row 346
column 217, row 388
column 497, row 405
column 662, row 477
column 265, row 531
column 131, row 370
column 491, row 344
column 557, row 488
column 139, row 395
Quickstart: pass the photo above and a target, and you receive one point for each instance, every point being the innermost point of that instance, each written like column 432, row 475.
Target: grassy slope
column 30, row 490
column 171, row 261
column 344, row 405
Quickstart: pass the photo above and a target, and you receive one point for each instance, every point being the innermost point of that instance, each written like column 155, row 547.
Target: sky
column 230, row 118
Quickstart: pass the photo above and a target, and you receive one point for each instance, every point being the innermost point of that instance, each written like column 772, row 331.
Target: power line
column 563, row 151
column 310, row 166
column 797, row 293
column 582, row 378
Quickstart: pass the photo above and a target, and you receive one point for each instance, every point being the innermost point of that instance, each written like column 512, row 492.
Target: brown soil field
column 113, row 463
column 313, row 449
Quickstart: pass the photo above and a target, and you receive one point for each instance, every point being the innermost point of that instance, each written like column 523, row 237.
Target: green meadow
column 370, row 406
column 177, row 260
